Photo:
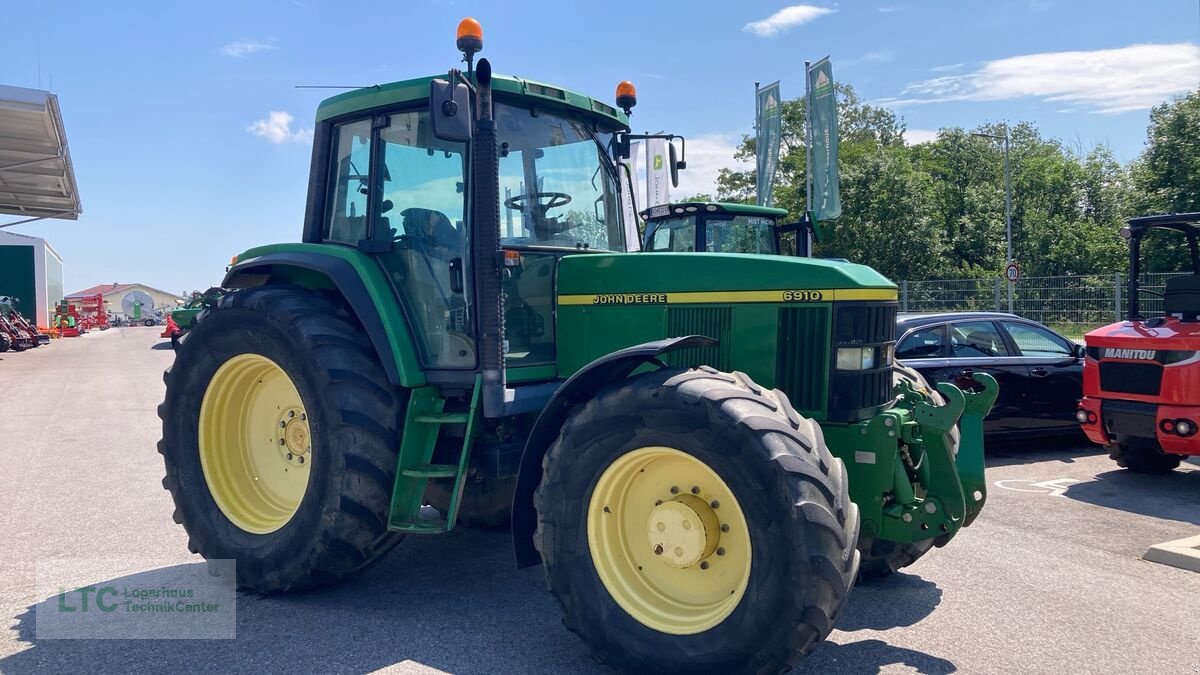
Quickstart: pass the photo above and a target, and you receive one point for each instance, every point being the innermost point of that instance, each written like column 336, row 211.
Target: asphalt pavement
column 1048, row 580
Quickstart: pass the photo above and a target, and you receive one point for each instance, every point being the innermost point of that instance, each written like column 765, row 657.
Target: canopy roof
column 36, row 178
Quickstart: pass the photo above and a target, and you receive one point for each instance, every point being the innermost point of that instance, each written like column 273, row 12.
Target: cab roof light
column 626, row 96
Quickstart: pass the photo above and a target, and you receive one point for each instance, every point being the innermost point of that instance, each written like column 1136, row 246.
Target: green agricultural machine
column 693, row 446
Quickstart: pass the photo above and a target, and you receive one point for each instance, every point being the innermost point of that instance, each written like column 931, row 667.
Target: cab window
column 672, row 234
column 923, row 343
column 346, row 221
column 741, row 234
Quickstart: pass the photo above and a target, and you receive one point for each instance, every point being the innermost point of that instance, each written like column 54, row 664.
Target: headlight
column 855, row 358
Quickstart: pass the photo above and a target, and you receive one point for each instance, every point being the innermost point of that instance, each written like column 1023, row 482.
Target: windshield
column 671, row 234
column 556, row 189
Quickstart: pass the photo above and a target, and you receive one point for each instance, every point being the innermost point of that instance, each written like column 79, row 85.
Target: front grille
column 865, row 324
column 1129, row 418
column 711, row 321
column 802, row 356
column 855, row 395
column 1131, row 378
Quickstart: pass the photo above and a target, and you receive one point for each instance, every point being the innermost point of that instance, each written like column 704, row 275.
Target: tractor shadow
column 455, row 603
column 1169, row 496
column 161, row 346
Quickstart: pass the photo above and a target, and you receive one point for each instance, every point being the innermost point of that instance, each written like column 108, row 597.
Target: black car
column 1039, row 371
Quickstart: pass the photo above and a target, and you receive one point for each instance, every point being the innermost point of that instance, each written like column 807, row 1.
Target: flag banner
column 658, row 174
column 768, row 127
column 823, row 134
column 629, row 185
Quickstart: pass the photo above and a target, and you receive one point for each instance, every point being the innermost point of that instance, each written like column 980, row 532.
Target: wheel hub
column 295, row 438
column 683, row 531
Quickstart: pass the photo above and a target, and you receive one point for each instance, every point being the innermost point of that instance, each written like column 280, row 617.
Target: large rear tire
column 1142, row 457
column 279, row 439
column 5, row 342
column 882, row 558
column 692, row 520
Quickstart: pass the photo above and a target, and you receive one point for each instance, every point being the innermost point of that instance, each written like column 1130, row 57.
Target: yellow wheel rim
column 255, row 444
column 668, row 540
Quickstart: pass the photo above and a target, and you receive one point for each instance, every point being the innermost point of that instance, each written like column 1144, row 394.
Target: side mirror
column 675, row 165
column 1080, row 351
column 450, row 111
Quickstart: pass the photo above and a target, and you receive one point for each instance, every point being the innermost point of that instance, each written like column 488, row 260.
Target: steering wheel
column 557, row 199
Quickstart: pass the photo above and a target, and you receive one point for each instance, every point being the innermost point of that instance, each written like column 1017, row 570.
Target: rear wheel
column 279, row 438
column 691, row 520
column 1142, row 457
column 5, row 342
column 880, row 557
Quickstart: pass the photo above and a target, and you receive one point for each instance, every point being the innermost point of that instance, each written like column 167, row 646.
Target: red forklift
column 1141, row 377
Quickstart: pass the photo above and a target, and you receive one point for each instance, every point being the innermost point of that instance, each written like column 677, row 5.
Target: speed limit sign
column 1012, row 272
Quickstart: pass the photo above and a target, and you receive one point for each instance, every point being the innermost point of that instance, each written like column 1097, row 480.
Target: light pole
column 1007, row 206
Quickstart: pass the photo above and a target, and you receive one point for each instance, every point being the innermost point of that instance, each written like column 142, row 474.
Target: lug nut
column 291, row 413
column 695, row 490
column 282, row 424
column 674, row 489
column 289, row 456
column 720, row 551
column 658, row 502
column 704, row 564
column 301, row 460
column 724, row 527
column 282, row 442
column 658, row 549
column 715, row 504
column 303, row 416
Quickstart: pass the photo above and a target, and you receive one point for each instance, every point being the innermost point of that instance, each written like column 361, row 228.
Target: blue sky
column 191, row 143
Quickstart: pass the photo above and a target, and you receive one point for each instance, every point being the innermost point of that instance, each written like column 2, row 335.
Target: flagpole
column 757, row 149
column 646, row 152
column 808, row 174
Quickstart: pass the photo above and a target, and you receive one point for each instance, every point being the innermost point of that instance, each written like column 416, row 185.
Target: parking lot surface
column 1048, row 580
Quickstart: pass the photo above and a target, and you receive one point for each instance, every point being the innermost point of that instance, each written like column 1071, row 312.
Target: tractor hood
column 720, row 277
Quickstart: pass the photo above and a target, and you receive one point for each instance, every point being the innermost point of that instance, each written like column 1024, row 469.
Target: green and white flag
column 768, row 127
column 823, row 135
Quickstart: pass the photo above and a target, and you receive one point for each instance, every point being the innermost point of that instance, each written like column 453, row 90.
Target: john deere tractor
column 691, row 445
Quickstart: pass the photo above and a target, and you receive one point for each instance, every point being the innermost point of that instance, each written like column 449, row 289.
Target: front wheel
column 692, row 520
column 1142, row 457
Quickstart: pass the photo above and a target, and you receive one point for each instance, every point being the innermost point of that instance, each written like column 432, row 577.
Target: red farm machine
column 93, row 315
column 22, row 334
column 67, row 320
column 1141, row 378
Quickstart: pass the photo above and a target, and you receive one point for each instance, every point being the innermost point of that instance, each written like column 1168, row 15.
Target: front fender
column 578, row 388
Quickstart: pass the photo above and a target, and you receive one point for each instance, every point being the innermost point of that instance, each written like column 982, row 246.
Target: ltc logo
column 1139, row 354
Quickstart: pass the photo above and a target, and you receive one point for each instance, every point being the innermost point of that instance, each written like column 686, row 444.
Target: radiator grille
column 711, row 321
column 1131, row 378
column 865, row 324
column 802, row 356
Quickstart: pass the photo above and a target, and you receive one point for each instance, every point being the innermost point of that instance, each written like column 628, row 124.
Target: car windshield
column 556, row 188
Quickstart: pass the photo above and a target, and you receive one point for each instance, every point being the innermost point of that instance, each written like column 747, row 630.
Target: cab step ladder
column 423, row 423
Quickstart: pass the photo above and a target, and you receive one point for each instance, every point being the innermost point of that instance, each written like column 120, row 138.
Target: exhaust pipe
column 485, row 246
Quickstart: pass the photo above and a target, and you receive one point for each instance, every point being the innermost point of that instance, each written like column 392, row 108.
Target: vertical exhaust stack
column 485, row 246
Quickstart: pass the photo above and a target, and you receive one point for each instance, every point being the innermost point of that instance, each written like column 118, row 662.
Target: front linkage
column 914, row 479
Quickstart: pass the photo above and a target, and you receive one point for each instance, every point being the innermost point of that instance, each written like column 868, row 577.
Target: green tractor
column 693, row 446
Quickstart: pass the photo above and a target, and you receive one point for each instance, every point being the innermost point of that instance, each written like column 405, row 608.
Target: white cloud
column 868, row 59
column 785, row 19
column 706, row 155
column 1104, row 81
column 948, row 68
column 243, row 48
column 888, row 10
column 919, row 136
column 277, row 128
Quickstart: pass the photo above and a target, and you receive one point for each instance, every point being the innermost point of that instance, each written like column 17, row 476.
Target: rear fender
column 580, row 387
column 360, row 284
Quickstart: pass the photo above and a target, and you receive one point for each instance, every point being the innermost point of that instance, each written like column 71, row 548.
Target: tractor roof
column 682, row 208
column 382, row 95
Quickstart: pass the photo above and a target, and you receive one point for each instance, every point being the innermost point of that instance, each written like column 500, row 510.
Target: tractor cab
column 712, row 228
column 1142, row 375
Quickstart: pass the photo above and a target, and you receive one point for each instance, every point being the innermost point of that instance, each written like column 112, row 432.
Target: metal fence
column 1071, row 305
